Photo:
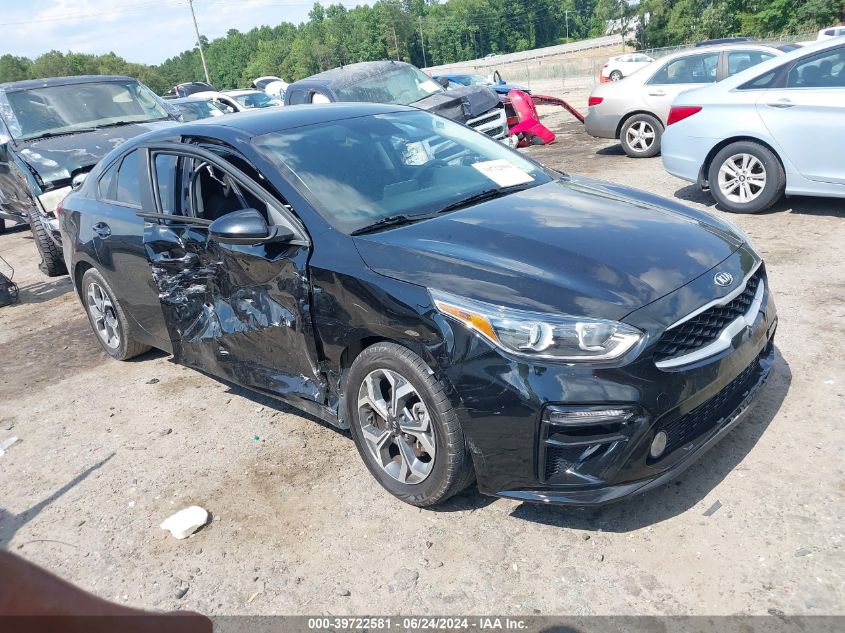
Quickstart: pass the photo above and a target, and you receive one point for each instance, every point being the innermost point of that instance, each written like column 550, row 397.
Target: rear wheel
column 640, row 136
column 404, row 426
column 52, row 263
column 746, row 177
column 2, row 226
column 615, row 75
column 107, row 318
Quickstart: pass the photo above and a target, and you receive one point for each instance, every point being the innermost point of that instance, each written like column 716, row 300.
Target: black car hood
column 571, row 246
column 461, row 103
column 56, row 159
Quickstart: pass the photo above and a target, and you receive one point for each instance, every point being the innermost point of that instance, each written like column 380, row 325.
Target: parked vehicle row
column 747, row 121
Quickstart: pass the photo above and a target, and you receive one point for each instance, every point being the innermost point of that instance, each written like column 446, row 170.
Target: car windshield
column 366, row 169
column 255, row 100
column 198, row 110
column 474, row 80
column 402, row 86
column 75, row 107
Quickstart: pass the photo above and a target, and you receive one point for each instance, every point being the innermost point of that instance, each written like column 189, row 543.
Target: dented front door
column 238, row 312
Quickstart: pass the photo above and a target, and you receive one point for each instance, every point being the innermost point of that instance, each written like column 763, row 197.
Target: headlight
column 51, row 199
column 541, row 335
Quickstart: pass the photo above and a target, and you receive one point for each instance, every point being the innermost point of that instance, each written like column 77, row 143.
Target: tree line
column 429, row 33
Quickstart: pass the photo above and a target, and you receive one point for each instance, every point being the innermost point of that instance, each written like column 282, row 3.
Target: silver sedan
column 635, row 109
column 774, row 129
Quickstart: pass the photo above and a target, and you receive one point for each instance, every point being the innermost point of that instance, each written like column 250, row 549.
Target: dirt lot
column 108, row 450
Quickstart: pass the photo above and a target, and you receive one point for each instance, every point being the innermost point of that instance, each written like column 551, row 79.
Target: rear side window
column 825, row 70
column 128, row 181
column 762, row 82
column 743, row 60
column 105, row 186
column 692, row 69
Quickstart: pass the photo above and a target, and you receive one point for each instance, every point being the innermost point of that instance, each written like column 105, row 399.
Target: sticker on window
column 430, row 86
column 503, row 173
column 416, row 153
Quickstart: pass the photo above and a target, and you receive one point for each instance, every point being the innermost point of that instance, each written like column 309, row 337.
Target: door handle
column 102, row 230
column 781, row 103
column 166, row 258
column 659, row 93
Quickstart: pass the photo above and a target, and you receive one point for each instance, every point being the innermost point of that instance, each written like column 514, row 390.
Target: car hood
column 56, row 159
column 572, row 246
column 460, row 103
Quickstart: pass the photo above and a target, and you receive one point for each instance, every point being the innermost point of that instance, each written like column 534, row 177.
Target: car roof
column 30, row 84
column 259, row 122
column 716, row 48
column 343, row 75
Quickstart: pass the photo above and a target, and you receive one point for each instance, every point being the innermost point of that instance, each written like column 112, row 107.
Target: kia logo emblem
column 723, row 279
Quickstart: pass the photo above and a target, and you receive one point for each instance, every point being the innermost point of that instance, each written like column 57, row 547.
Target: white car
column 240, row 100
column 776, row 128
column 623, row 65
column 826, row 34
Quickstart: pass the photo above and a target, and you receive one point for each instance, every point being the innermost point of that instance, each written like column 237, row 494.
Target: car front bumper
column 518, row 455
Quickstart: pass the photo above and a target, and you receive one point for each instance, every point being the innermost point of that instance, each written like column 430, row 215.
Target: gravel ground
column 108, row 450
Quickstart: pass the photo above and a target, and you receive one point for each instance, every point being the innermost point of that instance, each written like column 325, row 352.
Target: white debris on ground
column 5, row 445
column 185, row 522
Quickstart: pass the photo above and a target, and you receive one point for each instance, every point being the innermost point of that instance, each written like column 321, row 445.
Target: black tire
column 52, row 263
column 451, row 469
column 765, row 197
column 2, row 226
column 647, row 124
column 615, row 75
column 127, row 347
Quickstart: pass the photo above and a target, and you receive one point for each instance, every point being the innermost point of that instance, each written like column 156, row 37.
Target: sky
column 143, row 31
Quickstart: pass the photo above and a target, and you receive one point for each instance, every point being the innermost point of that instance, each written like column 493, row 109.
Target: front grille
column 707, row 415
column 705, row 328
column 493, row 123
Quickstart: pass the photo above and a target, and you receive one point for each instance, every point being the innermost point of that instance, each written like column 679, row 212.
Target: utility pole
column 566, row 14
column 422, row 43
column 393, row 26
column 199, row 42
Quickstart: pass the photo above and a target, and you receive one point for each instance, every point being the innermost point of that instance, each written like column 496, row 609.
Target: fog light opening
column 658, row 444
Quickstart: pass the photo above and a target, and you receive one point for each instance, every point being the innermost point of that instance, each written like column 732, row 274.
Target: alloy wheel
column 742, row 178
column 104, row 315
column 640, row 136
column 396, row 426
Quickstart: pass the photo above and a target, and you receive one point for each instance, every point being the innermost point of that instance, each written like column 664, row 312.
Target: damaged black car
column 398, row 83
column 467, row 313
column 52, row 132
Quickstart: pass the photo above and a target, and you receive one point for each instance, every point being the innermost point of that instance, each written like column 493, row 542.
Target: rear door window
column 691, row 69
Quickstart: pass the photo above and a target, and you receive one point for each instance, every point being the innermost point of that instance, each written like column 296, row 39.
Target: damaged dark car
column 398, row 83
column 52, row 132
column 465, row 312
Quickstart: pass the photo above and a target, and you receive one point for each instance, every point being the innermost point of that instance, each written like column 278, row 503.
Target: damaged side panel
column 238, row 312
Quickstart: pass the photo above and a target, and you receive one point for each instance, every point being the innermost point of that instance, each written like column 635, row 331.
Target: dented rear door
column 235, row 311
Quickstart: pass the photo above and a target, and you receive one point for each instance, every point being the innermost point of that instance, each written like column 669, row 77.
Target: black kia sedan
column 464, row 311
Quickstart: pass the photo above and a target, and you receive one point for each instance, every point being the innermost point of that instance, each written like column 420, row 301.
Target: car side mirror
column 443, row 81
column 247, row 226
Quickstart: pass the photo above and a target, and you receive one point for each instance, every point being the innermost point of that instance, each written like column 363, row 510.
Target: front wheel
column 746, row 177
column 640, row 136
column 404, row 426
column 107, row 317
column 52, row 263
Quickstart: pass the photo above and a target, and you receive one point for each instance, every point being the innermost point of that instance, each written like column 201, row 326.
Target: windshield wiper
column 393, row 220
column 54, row 134
column 483, row 196
column 117, row 123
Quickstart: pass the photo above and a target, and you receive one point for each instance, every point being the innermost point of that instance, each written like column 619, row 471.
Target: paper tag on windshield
column 503, row 173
